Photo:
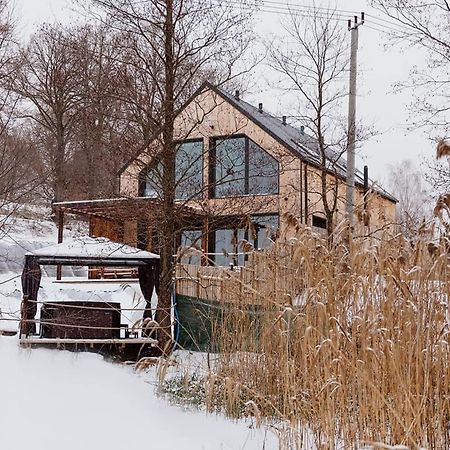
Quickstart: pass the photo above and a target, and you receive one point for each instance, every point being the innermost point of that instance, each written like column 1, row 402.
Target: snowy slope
column 20, row 235
column 54, row 400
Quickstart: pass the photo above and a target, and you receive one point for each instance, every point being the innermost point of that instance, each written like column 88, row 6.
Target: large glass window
column 239, row 166
column 224, row 247
column 189, row 170
column 226, row 244
column 265, row 227
column 262, row 171
column 188, row 173
column 230, row 167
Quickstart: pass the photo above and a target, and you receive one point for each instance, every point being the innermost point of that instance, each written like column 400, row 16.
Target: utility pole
column 351, row 133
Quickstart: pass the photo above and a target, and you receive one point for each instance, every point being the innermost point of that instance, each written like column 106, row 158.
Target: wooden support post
column 205, row 242
column 60, row 216
column 366, row 193
column 24, row 317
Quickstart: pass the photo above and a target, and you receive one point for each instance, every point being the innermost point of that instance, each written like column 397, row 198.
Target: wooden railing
column 268, row 275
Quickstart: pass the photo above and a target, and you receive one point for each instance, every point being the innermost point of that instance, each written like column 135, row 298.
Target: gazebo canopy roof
column 87, row 251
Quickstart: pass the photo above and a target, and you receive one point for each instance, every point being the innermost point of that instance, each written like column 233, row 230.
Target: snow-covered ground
column 53, row 400
column 31, row 231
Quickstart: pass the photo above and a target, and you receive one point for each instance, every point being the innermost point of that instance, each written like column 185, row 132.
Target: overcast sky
column 379, row 69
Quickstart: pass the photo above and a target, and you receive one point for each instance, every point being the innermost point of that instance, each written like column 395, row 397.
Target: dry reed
column 350, row 346
column 442, row 149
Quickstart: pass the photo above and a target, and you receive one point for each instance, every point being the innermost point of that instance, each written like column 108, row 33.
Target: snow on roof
column 89, row 247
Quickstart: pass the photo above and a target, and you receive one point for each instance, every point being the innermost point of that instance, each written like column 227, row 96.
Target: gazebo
column 84, row 324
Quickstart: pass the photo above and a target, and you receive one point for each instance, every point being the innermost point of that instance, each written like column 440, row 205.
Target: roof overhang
column 123, row 208
column 88, row 251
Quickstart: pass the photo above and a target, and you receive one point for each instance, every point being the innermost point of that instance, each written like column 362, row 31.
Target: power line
column 335, row 11
column 271, row 7
column 281, row 7
column 344, row 11
column 390, row 33
column 285, row 10
column 386, row 23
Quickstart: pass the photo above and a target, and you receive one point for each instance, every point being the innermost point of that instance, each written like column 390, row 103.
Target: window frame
column 212, row 162
column 156, row 159
column 212, row 250
column 319, row 222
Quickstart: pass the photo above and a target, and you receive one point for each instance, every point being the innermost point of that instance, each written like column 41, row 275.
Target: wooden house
column 243, row 175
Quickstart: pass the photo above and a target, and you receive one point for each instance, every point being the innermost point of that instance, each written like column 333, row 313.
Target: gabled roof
column 297, row 141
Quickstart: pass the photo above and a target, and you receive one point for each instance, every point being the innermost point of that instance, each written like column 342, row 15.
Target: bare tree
column 185, row 38
column 406, row 182
column 437, row 173
column 101, row 129
column 48, row 84
column 424, row 25
column 16, row 149
column 312, row 66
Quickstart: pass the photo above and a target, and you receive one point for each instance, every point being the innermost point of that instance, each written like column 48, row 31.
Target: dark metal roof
column 298, row 142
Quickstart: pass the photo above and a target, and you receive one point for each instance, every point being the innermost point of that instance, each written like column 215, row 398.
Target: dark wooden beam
column 60, row 216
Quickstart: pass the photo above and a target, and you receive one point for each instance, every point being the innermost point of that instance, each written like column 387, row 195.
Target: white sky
column 378, row 70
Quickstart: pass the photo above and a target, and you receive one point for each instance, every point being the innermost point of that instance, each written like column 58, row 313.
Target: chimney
column 284, row 120
column 236, row 95
column 302, row 129
column 260, row 107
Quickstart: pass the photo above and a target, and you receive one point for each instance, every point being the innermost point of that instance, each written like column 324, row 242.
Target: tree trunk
column 168, row 225
column 59, row 183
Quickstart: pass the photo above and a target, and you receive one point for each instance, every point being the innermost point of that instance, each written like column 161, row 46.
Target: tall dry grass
column 352, row 346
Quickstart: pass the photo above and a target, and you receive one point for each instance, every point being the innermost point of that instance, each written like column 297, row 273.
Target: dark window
column 319, row 222
column 189, row 170
column 188, row 173
column 262, row 171
column 238, row 166
column 230, row 167
column 151, row 182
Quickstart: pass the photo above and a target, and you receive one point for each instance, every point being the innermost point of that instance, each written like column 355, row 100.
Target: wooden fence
column 271, row 276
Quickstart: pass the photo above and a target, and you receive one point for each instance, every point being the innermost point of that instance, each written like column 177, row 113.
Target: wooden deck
column 29, row 341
